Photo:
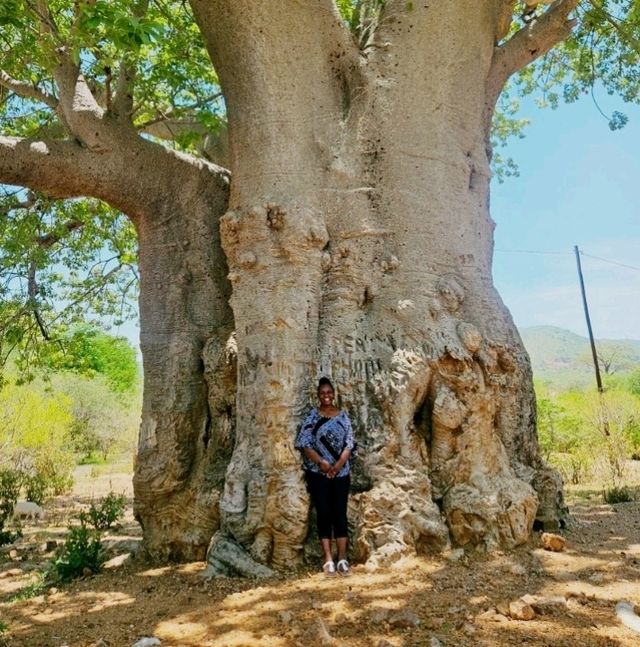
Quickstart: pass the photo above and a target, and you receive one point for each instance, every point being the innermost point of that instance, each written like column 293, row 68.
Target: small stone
column 379, row 616
column 549, row 605
column 318, row 633
column 520, row 610
column 433, row 623
column 469, row 629
column 147, row 642
column 403, row 618
column 87, row 572
column 316, row 604
column 13, row 554
column 285, row 617
column 434, row 642
column 596, row 578
column 341, row 619
column 101, row 643
column 491, row 615
column 384, row 643
column 53, row 590
column 455, row 555
column 117, row 561
column 552, row 542
column 517, row 569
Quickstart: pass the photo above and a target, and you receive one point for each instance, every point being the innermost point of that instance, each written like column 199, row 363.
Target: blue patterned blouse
column 338, row 433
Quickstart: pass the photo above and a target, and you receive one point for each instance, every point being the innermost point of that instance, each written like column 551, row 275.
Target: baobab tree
column 349, row 235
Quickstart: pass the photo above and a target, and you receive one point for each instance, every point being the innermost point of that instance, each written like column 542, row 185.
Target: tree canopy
column 144, row 62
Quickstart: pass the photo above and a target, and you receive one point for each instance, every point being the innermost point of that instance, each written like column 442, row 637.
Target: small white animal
column 627, row 615
column 27, row 510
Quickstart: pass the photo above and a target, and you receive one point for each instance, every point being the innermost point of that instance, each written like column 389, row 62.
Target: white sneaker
column 329, row 569
column 343, row 568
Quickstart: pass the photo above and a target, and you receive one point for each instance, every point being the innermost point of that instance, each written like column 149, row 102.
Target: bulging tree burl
column 350, row 237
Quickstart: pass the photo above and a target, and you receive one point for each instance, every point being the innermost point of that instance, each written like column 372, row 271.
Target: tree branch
column 32, row 291
column 531, row 42
column 78, row 108
column 27, row 90
column 132, row 177
column 123, row 100
column 50, row 239
column 60, row 169
column 503, row 18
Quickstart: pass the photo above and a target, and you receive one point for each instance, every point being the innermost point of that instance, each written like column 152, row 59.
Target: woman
column 326, row 441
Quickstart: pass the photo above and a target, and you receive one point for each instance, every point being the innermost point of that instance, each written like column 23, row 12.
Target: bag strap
column 323, row 439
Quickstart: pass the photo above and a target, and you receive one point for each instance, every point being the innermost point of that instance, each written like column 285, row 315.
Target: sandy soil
column 444, row 601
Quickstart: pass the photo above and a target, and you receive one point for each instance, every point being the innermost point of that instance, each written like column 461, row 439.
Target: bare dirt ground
column 454, row 601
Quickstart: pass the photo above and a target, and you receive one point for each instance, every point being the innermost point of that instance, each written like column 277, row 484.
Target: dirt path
column 420, row 602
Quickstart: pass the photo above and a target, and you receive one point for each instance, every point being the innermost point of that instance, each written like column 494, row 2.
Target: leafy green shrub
column 35, row 488
column 104, row 422
column 4, row 627
column 617, row 495
column 109, row 510
column 82, row 552
column 32, row 589
column 10, row 482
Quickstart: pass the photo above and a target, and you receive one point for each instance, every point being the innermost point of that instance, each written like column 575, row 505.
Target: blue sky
column 579, row 185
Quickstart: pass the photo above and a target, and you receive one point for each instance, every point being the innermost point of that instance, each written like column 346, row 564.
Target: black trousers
column 329, row 498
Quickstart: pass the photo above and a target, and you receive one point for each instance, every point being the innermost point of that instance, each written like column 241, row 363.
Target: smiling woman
column 326, row 441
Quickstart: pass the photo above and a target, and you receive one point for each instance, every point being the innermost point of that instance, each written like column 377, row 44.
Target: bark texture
column 359, row 245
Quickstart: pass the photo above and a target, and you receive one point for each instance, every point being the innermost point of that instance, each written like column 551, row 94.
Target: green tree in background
column 88, row 351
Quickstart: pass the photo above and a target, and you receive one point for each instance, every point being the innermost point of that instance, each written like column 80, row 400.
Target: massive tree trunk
column 359, row 245
column 357, row 242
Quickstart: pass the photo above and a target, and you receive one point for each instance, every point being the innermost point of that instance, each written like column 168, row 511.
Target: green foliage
column 34, row 435
column 603, row 50
column 36, row 487
column 82, row 552
column 104, row 422
column 90, row 352
column 107, row 512
column 32, row 590
column 617, row 495
column 61, row 264
column 581, row 429
column 10, row 482
column 634, row 381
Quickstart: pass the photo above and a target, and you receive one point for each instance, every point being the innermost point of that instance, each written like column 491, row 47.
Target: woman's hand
column 325, row 466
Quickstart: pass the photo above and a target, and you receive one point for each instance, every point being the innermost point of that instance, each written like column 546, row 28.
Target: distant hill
column 562, row 357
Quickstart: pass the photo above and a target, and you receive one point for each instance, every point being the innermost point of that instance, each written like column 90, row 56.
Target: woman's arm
column 348, row 446
column 314, row 457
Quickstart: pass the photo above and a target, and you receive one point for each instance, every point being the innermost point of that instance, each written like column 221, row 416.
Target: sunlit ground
column 600, row 566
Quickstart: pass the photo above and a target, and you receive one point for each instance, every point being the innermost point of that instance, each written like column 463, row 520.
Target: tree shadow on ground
column 447, row 597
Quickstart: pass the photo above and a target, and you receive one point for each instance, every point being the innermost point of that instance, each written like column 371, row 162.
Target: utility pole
column 586, row 315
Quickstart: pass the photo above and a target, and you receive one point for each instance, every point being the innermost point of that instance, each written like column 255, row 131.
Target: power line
column 530, row 251
column 605, row 260
column 540, row 251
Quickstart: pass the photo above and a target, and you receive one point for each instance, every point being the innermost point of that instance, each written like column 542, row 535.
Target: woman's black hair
column 325, row 380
